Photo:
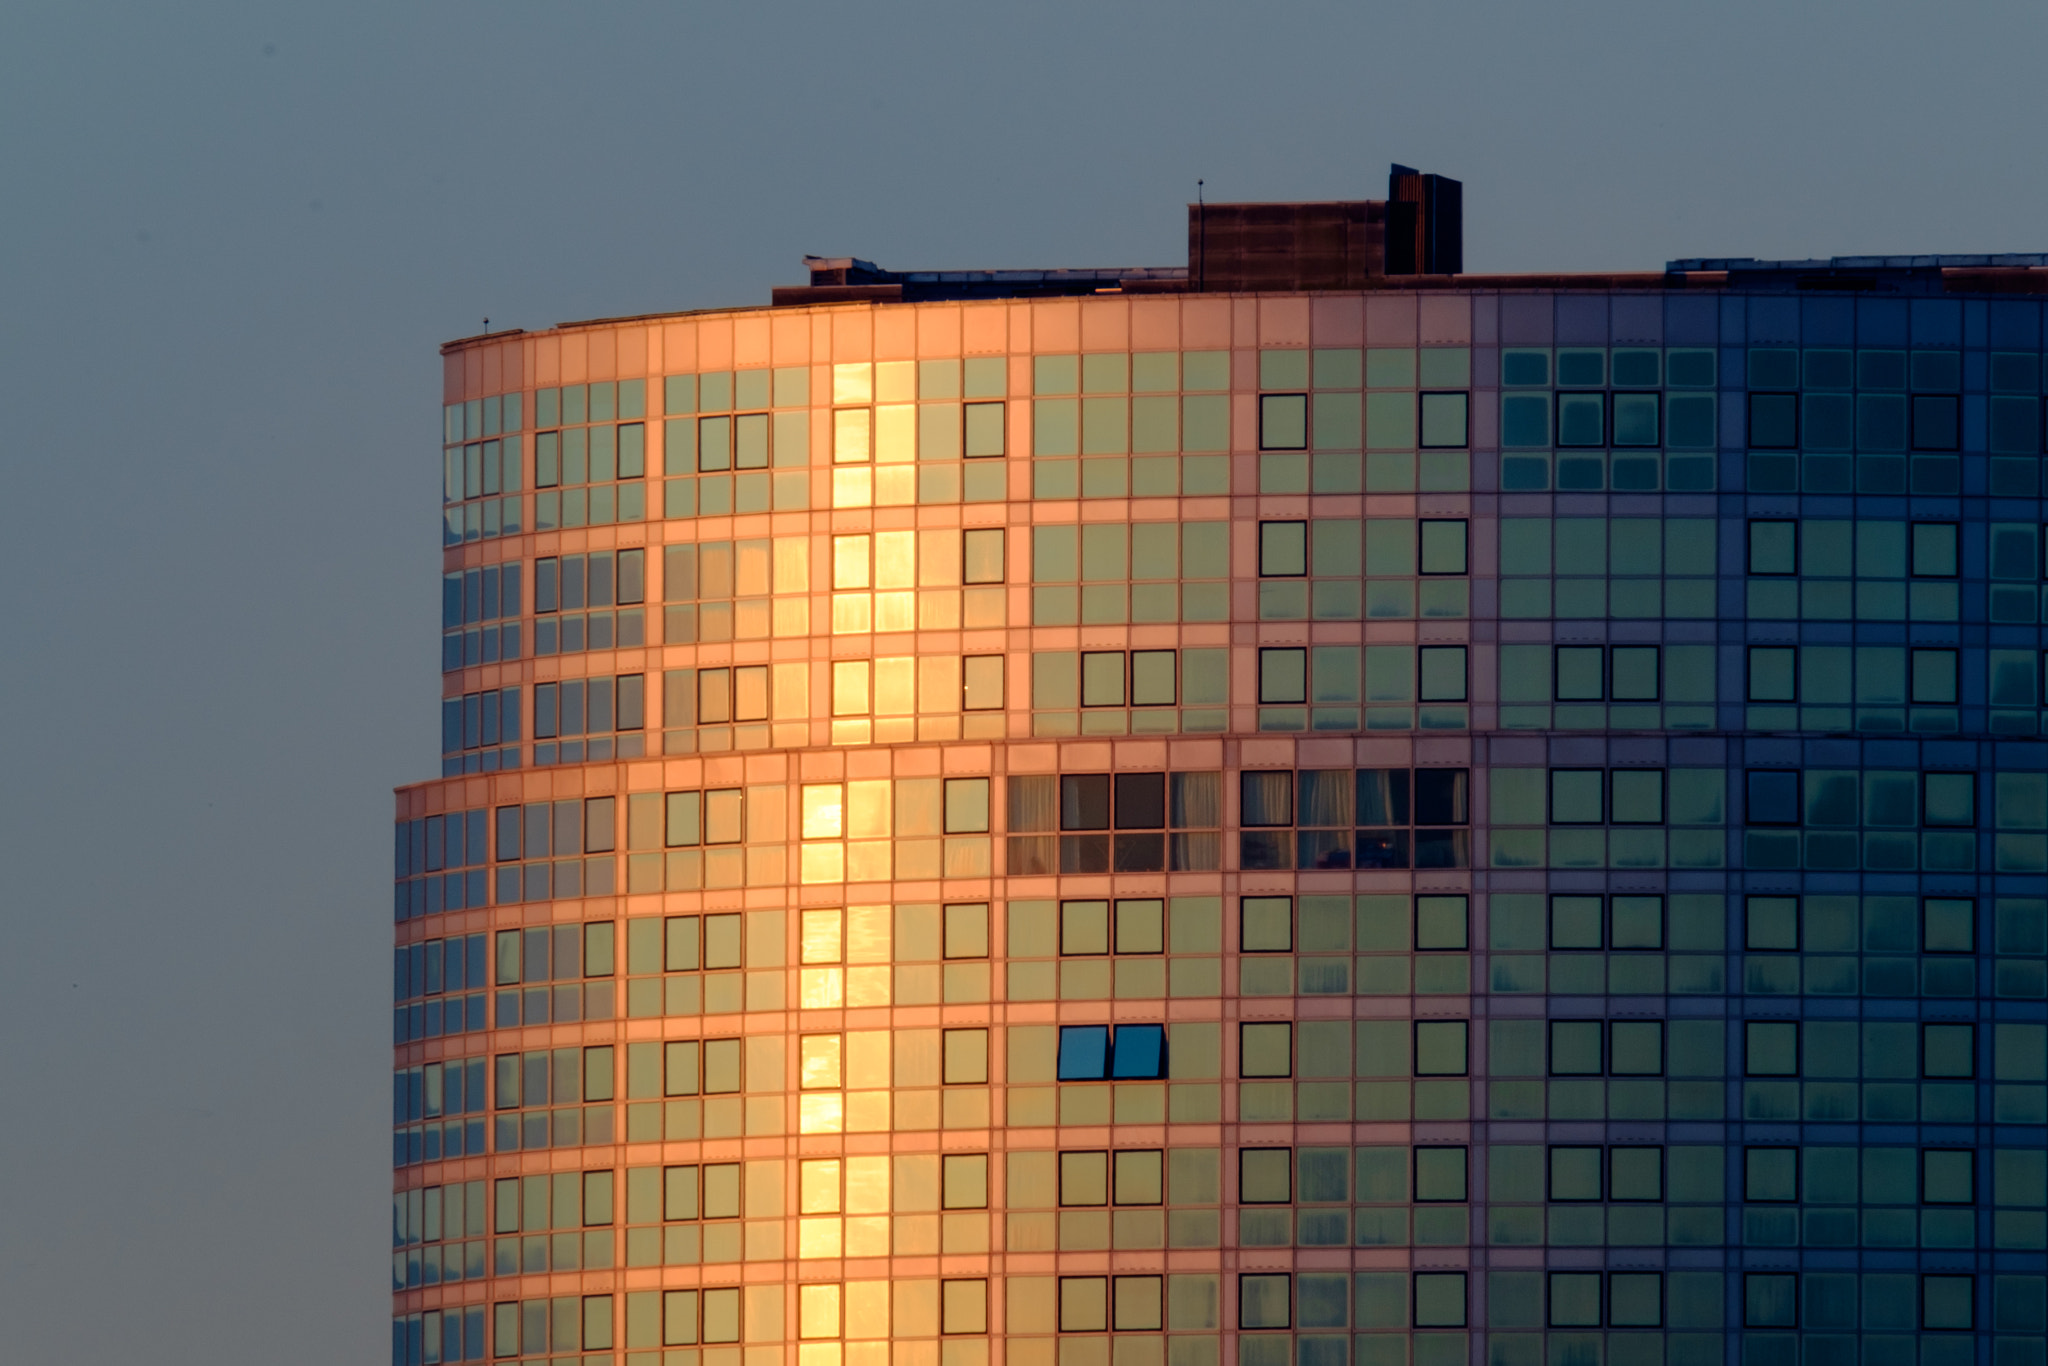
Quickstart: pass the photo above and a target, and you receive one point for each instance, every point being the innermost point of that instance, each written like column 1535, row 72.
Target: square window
column 1440, row 1174
column 1267, row 797
column 1262, row 1301
column 1140, row 801
column 1442, row 673
column 1636, row 1048
column 1141, row 926
column 1635, row 1173
column 1635, row 1299
column 1935, row 554
column 1576, row 797
column 1637, row 922
column 1773, row 796
column 1638, row 796
column 1152, row 678
column 1948, row 925
column 1139, row 1176
column 1948, row 1050
column 1773, row 673
column 1439, row 1299
column 966, row 931
column 1441, row 1047
column 1948, row 1176
column 981, row 683
column 1265, row 1050
column 1084, row 1179
column 1575, row 1173
column 1948, row 1302
column 1773, row 547
column 1773, row 422
column 1581, row 420
column 1635, row 676
column 1266, row 924
column 981, row 559
column 1102, row 678
column 1949, row 799
column 1084, row 1304
column 1136, row 1303
column 1283, row 676
column 1084, row 1052
column 1265, row 1176
column 1636, row 419
column 1084, row 801
column 1441, row 922
column 1581, row 671
column 1935, row 677
column 1770, row 1048
column 1575, row 1048
column 1283, row 549
column 1574, row 1299
column 1283, row 422
column 1770, row 1175
column 1445, row 420
column 1771, row 924
column 1770, row 1299
column 1936, row 422
column 1138, row 1052
column 1444, row 547
column 1084, row 927
column 1575, row 922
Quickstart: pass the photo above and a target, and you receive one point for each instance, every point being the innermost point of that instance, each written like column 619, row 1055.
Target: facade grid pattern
column 1388, row 828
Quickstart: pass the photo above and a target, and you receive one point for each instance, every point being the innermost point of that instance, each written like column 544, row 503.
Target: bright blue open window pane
column 1140, row 1051
column 1084, row 1052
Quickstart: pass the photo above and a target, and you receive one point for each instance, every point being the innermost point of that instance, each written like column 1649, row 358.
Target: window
column 1283, row 422
column 1948, row 1176
column 1100, row 1053
column 1150, row 675
column 981, row 555
column 1773, row 673
column 1283, row 549
column 1770, row 1048
column 566, row 585
column 1948, row 1051
column 1283, row 675
column 565, row 712
column 1935, row 550
column 1770, row 1299
column 1355, row 818
column 1935, row 677
column 1773, row 796
column 1159, row 820
column 1949, row 799
column 470, row 598
column 1948, row 925
column 1773, row 547
column 1773, row 422
column 1948, row 1302
column 476, row 721
column 1445, row 419
column 1265, row 1050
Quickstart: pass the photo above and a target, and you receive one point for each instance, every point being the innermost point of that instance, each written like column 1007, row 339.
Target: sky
column 231, row 238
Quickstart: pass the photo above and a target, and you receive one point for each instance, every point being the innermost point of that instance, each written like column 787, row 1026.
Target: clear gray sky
column 231, row 236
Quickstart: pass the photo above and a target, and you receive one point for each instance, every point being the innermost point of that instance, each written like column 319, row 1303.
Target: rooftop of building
column 1412, row 240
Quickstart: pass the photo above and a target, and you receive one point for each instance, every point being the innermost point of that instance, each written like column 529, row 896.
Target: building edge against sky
column 1307, row 809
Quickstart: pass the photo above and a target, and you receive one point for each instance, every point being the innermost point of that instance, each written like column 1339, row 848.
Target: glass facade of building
column 1464, row 823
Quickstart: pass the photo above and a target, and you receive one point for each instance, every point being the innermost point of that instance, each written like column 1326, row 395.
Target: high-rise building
column 1310, row 809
